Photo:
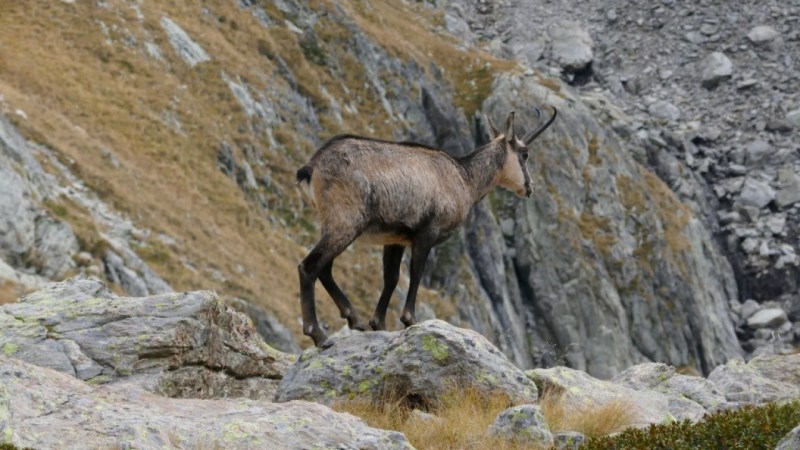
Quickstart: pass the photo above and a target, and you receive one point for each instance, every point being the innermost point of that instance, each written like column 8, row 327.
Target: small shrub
column 748, row 428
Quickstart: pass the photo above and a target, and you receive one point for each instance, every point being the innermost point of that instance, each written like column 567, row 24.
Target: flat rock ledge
column 44, row 408
column 178, row 344
column 418, row 364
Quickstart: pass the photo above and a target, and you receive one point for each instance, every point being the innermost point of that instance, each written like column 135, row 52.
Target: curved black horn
column 533, row 134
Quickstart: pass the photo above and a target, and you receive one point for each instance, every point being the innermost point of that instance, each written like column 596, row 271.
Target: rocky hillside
column 154, row 145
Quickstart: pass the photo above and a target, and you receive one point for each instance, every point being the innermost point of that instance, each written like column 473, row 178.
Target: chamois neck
column 483, row 168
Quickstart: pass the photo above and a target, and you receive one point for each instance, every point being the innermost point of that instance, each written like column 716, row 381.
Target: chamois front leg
column 392, row 258
column 419, row 256
column 309, row 270
column 345, row 307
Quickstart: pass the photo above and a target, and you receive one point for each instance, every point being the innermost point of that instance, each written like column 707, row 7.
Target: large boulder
column 763, row 379
column 44, row 408
column 181, row 344
column 417, row 364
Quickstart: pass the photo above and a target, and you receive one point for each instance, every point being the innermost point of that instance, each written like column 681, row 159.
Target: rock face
column 40, row 247
column 573, row 254
column 187, row 344
column 655, row 54
column 418, row 364
column 43, row 408
column 31, row 239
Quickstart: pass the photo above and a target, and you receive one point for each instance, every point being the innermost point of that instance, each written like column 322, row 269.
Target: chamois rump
column 398, row 195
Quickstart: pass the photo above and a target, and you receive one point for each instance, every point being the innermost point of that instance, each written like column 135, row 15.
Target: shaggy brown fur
column 397, row 195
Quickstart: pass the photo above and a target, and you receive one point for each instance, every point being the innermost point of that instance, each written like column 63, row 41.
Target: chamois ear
column 510, row 127
column 493, row 131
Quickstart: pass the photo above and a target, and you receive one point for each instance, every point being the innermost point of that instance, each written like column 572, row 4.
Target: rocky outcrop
column 182, row 344
column 41, row 247
column 603, row 243
column 44, row 408
column 657, row 67
column 31, row 240
column 418, row 365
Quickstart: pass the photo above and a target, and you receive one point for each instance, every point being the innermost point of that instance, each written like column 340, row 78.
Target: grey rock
column 767, row 318
column 791, row 441
column 750, row 307
column 763, row 379
column 793, row 118
column 191, row 52
column 789, row 187
column 581, row 391
column 571, row 46
column 762, row 34
column 523, row 424
column 746, row 83
column 568, row 440
column 757, row 151
column 275, row 334
column 714, row 69
column 80, row 328
column 42, row 408
column 756, row 193
column 419, row 364
column 689, row 397
column 664, row 110
column 31, row 240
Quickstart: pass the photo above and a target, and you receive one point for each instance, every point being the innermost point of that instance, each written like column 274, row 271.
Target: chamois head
column 514, row 175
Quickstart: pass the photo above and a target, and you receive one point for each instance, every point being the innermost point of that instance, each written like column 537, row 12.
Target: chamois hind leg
column 419, row 256
column 310, row 268
column 345, row 307
column 392, row 257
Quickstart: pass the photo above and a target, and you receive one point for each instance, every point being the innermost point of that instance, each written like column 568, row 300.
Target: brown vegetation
column 592, row 421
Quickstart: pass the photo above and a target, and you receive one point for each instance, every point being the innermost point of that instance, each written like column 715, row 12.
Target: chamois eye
column 524, row 156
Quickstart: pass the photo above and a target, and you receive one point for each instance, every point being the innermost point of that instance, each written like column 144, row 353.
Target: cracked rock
column 80, row 328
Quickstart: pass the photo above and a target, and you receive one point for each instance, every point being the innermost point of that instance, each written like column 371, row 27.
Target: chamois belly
column 385, row 238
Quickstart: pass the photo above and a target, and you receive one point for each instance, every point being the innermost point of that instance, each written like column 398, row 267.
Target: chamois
column 398, row 195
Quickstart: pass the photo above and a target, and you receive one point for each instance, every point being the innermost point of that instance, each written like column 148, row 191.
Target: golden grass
column 10, row 292
column 592, row 421
column 83, row 97
column 463, row 417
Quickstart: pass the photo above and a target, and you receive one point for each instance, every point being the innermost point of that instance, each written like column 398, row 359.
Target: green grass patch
column 748, row 428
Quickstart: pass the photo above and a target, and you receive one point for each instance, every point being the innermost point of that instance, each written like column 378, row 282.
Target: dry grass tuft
column 600, row 420
column 10, row 292
column 463, row 417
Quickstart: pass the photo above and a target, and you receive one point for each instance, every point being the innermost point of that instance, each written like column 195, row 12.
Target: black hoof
column 376, row 326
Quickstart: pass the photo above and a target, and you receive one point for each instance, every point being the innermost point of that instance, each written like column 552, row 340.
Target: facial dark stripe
column 528, row 186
